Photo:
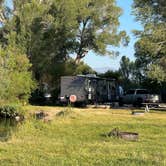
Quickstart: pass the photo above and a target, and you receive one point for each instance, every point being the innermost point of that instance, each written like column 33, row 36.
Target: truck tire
column 120, row 102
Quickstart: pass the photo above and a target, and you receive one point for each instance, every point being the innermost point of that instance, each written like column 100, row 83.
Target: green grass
column 75, row 139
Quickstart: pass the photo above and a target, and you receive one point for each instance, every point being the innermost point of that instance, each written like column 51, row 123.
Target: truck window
column 142, row 92
column 130, row 92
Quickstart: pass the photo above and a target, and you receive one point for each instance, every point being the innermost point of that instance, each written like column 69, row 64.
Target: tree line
column 149, row 68
column 38, row 37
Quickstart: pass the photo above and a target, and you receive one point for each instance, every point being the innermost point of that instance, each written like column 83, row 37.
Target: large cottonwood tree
column 151, row 46
column 74, row 26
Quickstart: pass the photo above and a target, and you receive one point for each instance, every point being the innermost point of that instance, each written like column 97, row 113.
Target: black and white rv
column 88, row 89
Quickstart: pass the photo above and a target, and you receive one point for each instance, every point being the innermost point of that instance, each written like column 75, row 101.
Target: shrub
column 10, row 110
column 16, row 78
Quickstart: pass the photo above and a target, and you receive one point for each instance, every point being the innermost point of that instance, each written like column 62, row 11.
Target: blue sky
column 127, row 23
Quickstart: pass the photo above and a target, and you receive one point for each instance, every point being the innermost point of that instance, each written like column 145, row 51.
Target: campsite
column 82, row 82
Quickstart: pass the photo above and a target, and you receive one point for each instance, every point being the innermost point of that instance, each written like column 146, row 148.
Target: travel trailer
column 87, row 89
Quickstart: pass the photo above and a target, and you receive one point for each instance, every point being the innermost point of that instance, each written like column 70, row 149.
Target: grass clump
column 67, row 112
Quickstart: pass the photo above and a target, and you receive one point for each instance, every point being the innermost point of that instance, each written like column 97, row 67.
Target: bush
column 16, row 80
column 10, row 110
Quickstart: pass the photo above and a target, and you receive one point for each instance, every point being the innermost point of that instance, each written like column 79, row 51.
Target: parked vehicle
column 138, row 96
column 87, row 89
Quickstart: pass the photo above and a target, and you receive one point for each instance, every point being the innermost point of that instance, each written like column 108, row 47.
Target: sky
column 127, row 23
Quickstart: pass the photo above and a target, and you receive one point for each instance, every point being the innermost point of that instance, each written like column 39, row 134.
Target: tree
column 44, row 31
column 4, row 12
column 16, row 81
column 125, row 67
column 151, row 46
column 112, row 75
column 129, row 73
column 74, row 26
column 97, row 24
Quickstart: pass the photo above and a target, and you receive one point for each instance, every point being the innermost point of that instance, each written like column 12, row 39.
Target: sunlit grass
column 76, row 139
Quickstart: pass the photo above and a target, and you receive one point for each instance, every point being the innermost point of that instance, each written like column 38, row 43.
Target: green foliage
column 10, row 110
column 156, row 72
column 129, row 73
column 125, row 67
column 71, row 68
column 16, row 79
column 112, row 75
column 149, row 11
column 151, row 46
column 84, row 69
column 49, row 31
column 97, row 27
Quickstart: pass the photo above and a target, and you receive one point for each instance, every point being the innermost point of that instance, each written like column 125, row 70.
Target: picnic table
column 153, row 105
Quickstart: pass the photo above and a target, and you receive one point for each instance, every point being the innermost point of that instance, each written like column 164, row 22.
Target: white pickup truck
column 138, row 96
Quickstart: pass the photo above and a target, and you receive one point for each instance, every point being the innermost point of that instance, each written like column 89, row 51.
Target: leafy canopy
column 151, row 46
column 48, row 32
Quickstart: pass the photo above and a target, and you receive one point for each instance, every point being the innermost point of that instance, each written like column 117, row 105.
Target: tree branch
column 2, row 17
column 81, row 52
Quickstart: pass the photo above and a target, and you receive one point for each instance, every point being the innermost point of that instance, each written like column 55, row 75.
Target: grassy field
column 75, row 139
